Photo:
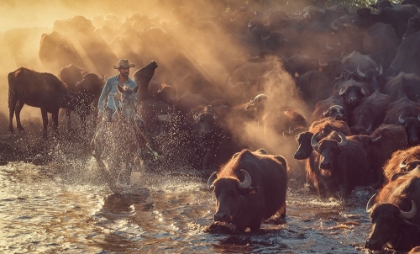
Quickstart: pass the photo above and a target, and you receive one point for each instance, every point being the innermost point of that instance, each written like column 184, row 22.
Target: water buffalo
column 380, row 145
column 397, row 17
column 370, row 113
column 250, row 188
column 394, row 215
column 352, row 92
column 401, row 161
column 342, row 164
column 36, row 89
column 407, row 113
column 87, row 88
column 406, row 60
column 403, row 85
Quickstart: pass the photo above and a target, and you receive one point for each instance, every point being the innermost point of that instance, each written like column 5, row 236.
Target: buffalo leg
column 68, row 120
column 12, row 105
column 44, row 122
column 18, row 108
column 83, row 120
column 54, row 115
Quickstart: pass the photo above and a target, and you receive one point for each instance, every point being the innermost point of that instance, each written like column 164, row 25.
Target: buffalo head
column 230, row 194
column 329, row 148
column 389, row 225
column 412, row 128
column 336, row 112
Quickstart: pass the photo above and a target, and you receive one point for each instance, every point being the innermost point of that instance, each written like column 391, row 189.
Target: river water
column 64, row 207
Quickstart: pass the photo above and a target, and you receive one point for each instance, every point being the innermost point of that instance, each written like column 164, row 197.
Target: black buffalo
column 250, row 188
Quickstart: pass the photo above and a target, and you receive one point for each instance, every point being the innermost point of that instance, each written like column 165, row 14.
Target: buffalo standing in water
column 250, row 188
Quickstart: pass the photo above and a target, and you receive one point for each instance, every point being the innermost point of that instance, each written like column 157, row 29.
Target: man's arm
column 104, row 95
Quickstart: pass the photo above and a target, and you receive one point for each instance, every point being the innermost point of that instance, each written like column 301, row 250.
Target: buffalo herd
column 351, row 114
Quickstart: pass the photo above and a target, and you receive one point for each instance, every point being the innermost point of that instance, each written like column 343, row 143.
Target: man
column 111, row 95
column 110, row 92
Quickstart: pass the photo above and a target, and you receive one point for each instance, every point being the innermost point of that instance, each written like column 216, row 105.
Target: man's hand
column 117, row 97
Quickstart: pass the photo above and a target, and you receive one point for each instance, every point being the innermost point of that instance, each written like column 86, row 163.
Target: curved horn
column 103, row 77
column 314, row 141
column 250, row 23
column 401, row 120
column 211, row 179
column 360, row 73
column 264, row 38
column 343, row 141
column 369, row 129
column 333, row 26
column 370, row 203
column 411, row 213
column 247, row 182
column 321, row 63
column 381, row 71
column 363, row 91
column 342, row 90
column 403, row 163
column 328, row 47
column 374, row 140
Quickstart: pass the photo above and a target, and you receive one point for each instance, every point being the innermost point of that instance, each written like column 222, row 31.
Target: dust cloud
column 197, row 44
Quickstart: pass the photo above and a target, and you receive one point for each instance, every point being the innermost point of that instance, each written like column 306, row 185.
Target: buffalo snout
column 326, row 165
column 372, row 244
column 222, row 217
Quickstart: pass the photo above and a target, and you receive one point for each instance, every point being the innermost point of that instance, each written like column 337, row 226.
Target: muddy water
column 64, row 207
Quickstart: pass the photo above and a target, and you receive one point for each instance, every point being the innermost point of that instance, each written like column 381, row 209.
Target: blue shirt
column 110, row 90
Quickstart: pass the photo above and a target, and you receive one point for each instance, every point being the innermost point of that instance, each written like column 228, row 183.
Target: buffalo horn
column 314, row 141
column 343, row 141
column 401, row 120
column 403, row 163
column 363, row 91
column 381, row 71
column 103, row 77
column 333, row 26
column 411, row 213
column 247, row 181
column 328, row 47
column 211, row 179
column 321, row 63
column 342, row 90
column 370, row 203
column 374, row 140
column 360, row 73
column 369, row 129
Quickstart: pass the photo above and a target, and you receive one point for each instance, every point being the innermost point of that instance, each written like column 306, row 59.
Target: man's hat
column 123, row 63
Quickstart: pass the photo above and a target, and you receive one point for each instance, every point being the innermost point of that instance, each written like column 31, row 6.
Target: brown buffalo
column 250, row 188
column 41, row 90
column 407, row 113
column 394, row 216
column 87, row 88
column 401, row 161
column 342, row 164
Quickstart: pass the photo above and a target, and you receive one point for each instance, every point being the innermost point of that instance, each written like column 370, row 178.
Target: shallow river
column 64, row 207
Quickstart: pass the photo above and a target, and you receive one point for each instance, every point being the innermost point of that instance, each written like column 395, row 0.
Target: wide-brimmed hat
column 123, row 63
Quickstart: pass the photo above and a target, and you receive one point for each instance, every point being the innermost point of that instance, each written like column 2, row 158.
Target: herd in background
column 355, row 76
